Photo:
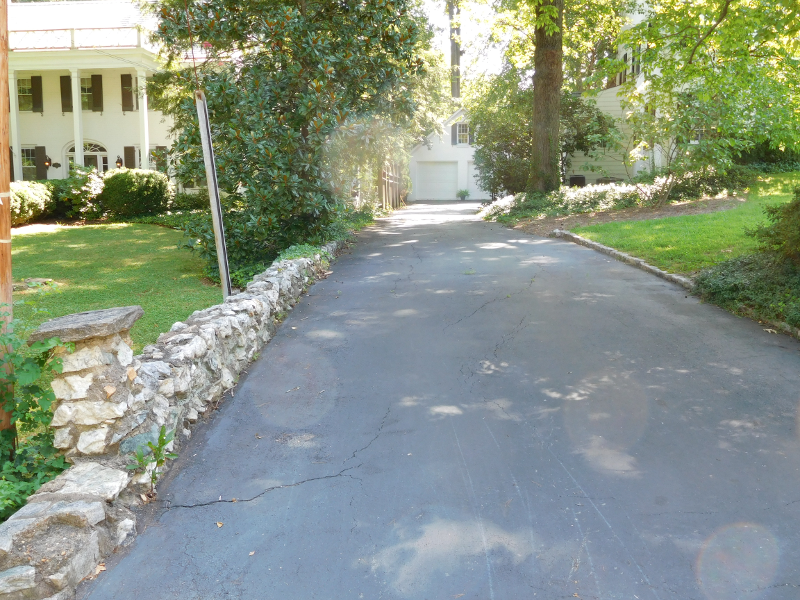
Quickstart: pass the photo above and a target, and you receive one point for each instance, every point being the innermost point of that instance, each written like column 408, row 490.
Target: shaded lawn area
column 103, row 266
column 688, row 244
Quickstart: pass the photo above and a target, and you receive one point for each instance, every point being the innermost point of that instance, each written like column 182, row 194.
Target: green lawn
column 102, row 266
column 690, row 243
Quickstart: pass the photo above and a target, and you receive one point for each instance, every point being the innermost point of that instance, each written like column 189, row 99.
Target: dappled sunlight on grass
column 102, row 266
column 689, row 243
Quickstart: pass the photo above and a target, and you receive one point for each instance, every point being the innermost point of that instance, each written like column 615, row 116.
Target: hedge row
column 120, row 193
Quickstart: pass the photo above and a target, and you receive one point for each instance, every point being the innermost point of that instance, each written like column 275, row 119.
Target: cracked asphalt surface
column 463, row 411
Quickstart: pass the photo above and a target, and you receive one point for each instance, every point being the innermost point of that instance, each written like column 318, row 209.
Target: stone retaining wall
column 110, row 402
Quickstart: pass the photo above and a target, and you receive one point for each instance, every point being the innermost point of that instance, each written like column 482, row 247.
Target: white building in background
column 77, row 73
column 445, row 164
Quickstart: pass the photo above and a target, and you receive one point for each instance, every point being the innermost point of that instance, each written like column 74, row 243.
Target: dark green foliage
column 776, row 167
column 758, row 285
column 28, row 200
column 501, row 111
column 134, row 193
column 283, row 79
column 245, row 246
column 782, row 234
column 711, row 182
column 35, row 461
column 186, row 201
column 75, row 197
column 765, row 157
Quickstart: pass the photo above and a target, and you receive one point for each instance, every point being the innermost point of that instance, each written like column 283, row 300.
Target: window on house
column 29, row 164
column 94, row 155
column 25, row 94
column 463, row 133
column 86, row 93
column 623, row 77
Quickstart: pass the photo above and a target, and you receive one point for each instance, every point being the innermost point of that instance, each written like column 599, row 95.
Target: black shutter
column 11, row 163
column 36, row 92
column 41, row 157
column 97, row 93
column 66, row 93
column 130, row 157
column 127, row 93
column 454, row 134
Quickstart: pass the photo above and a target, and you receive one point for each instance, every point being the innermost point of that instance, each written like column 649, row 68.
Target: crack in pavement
column 488, row 302
column 510, row 335
column 268, row 490
column 377, row 435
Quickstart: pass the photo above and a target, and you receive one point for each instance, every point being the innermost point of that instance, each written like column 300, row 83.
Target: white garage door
column 437, row 180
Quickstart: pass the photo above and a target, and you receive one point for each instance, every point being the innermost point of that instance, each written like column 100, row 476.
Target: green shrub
column 786, row 166
column 28, row 200
column 32, row 460
column 186, row 201
column 712, row 182
column 564, row 201
column 782, row 234
column 757, row 285
column 76, row 196
column 134, row 193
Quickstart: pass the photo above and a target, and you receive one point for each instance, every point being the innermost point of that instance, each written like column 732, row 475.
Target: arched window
column 94, row 155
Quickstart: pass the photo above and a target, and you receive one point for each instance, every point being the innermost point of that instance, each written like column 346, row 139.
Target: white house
column 444, row 164
column 77, row 73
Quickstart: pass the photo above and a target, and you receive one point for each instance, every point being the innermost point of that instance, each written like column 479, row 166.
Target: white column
column 77, row 116
column 16, row 143
column 144, row 126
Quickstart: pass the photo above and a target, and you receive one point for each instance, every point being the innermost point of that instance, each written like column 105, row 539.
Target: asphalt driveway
column 462, row 411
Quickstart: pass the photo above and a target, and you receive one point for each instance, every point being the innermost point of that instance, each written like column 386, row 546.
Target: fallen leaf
column 99, row 569
column 251, row 554
column 258, row 437
column 110, row 389
column 234, row 500
column 220, row 524
column 771, row 331
column 131, row 373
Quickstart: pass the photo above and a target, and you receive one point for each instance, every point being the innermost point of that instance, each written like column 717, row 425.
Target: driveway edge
column 626, row 258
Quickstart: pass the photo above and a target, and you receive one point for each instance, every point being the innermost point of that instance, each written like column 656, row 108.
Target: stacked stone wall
column 110, row 403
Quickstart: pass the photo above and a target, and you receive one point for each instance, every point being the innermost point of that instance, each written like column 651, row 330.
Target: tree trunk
column 545, row 174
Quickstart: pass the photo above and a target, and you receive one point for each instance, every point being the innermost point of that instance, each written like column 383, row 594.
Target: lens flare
column 738, row 562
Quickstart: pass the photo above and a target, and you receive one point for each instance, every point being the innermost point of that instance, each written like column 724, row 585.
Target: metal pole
column 213, row 191
column 6, row 286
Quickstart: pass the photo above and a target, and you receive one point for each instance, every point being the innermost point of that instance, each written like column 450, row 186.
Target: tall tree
column 281, row 79
column 567, row 40
column 548, row 75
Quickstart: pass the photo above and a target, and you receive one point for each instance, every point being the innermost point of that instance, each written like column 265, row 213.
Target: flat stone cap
column 85, row 325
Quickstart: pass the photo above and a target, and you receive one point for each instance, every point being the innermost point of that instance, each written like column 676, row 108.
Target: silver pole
column 213, row 192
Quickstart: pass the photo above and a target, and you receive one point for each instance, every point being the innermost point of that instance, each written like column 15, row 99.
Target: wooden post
column 6, row 286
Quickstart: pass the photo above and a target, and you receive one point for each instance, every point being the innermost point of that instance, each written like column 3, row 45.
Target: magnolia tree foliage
column 283, row 80
column 501, row 109
column 719, row 77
